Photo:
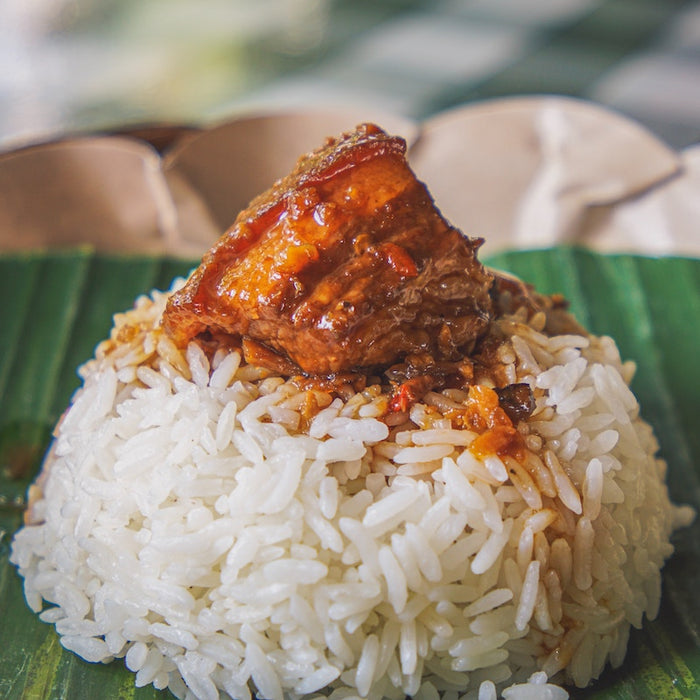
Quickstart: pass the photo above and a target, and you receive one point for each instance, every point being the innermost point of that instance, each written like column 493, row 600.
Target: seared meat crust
column 343, row 265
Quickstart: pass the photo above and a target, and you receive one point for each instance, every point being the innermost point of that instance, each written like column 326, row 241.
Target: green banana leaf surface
column 55, row 307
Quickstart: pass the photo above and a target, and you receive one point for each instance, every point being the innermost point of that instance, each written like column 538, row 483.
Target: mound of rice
column 228, row 534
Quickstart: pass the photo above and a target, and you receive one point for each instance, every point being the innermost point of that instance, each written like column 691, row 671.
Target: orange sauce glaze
column 343, row 265
column 496, row 432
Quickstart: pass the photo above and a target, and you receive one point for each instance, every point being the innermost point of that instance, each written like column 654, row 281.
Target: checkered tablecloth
column 84, row 65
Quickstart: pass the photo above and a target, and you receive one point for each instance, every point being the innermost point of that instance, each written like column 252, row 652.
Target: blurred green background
column 76, row 65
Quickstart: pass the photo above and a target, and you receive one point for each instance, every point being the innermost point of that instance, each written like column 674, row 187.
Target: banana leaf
column 56, row 306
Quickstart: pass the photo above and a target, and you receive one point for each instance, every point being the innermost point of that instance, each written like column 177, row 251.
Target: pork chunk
column 343, row 265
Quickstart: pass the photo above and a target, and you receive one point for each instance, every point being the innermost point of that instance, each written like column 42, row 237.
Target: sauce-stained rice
column 225, row 532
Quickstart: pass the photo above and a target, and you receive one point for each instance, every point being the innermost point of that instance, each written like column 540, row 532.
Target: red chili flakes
column 408, row 392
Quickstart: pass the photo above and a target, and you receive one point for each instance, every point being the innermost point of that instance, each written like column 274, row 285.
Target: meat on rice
column 238, row 504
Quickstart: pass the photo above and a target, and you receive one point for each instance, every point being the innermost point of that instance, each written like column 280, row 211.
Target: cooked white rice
column 228, row 534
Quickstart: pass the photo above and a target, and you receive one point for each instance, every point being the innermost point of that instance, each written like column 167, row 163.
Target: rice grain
column 224, row 531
